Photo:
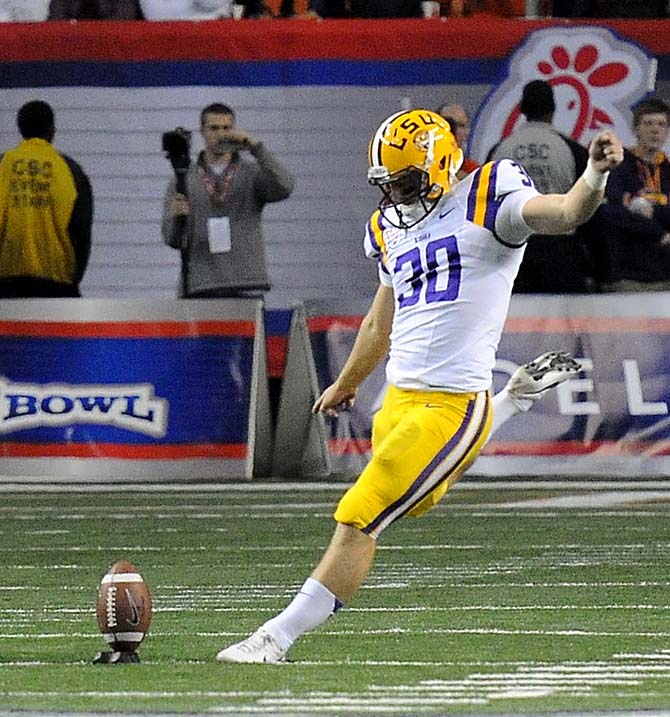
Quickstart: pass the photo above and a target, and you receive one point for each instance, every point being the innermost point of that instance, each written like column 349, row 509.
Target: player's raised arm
column 562, row 213
column 370, row 347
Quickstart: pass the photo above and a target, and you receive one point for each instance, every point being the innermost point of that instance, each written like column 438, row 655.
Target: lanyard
column 219, row 189
column 650, row 173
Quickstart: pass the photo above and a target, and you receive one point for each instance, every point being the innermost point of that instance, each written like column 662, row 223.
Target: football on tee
column 124, row 607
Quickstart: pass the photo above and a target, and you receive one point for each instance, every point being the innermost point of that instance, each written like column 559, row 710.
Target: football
column 124, row 607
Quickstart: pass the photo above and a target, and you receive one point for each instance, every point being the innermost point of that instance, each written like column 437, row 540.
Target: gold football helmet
column 413, row 159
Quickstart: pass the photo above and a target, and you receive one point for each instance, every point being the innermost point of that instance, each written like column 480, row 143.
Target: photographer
column 216, row 222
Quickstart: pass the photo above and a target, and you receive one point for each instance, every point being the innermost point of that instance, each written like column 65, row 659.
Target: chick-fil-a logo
column 596, row 76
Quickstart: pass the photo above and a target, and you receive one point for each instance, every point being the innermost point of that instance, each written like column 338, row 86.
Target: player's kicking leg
column 529, row 383
column 350, row 554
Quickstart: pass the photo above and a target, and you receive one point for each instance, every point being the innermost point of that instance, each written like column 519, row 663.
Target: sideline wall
column 113, row 390
column 117, row 390
column 613, row 420
column 313, row 91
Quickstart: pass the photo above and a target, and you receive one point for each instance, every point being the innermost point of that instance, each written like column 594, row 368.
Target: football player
column 448, row 254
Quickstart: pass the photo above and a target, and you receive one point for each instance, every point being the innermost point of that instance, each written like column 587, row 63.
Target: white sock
column 311, row 607
column 505, row 406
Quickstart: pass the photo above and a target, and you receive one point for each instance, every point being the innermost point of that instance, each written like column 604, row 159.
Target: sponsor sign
column 596, row 75
column 125, row 389
column 132, row 407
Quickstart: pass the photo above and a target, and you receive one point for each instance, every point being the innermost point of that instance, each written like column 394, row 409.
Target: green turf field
column 492, row 603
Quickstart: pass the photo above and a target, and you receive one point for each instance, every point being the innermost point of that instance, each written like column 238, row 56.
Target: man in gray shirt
column 552, row 160
column 557, row 264
column 223, row 252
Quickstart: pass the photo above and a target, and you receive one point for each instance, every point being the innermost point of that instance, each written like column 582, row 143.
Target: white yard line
column 41, row 485
column 599, row 499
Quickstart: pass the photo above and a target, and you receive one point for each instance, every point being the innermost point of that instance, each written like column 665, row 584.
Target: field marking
column 196, row 606
column 168, row 694
column 41, row 663
column 592, row 500
column 474, row 511
column 359, row 632
column 40, row 484
column 286, row 587
column 387, row 709
column 166, row 511
column 492, row 631
column 604, row 549
column 10, row 588
column 320, row 663
column 473, row 689
column 526, row 680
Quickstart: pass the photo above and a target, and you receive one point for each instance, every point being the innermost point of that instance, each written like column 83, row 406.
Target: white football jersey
column 452, row 276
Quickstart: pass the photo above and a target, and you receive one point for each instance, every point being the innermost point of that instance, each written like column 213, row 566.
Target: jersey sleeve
column 496, row 199
column 375, row 247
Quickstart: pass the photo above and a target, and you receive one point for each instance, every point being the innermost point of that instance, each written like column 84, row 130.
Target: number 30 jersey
column 452, row 276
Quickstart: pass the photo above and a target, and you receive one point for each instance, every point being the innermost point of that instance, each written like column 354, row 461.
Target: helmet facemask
column 407, row 192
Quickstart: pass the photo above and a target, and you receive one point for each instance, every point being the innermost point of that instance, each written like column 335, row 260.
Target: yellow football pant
column 421, row 444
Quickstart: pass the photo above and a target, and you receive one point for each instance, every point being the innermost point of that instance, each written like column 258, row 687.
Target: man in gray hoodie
column 223, row 252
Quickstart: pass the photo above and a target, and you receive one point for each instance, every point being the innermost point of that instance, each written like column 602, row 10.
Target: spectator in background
column 366, row 8
column 23, row 10
column 631, row 8
column 501, row 8
column 552, row 160
column 460, row 125
column 574, row 8
column 200, row 9
column 637, row 214
column 46, row 212
column 610, row 8
column 95, row 10
column 556, row 264
column 223, row 252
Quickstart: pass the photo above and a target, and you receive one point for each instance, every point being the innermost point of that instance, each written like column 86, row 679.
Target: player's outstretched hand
column 606, row 151
column 333, row 400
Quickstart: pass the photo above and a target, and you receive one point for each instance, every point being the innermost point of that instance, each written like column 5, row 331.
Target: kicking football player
column 448, row 254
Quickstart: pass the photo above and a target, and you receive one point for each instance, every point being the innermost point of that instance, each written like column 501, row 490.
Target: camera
column 177, row 142
column 231, row 145
column 177, row 148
